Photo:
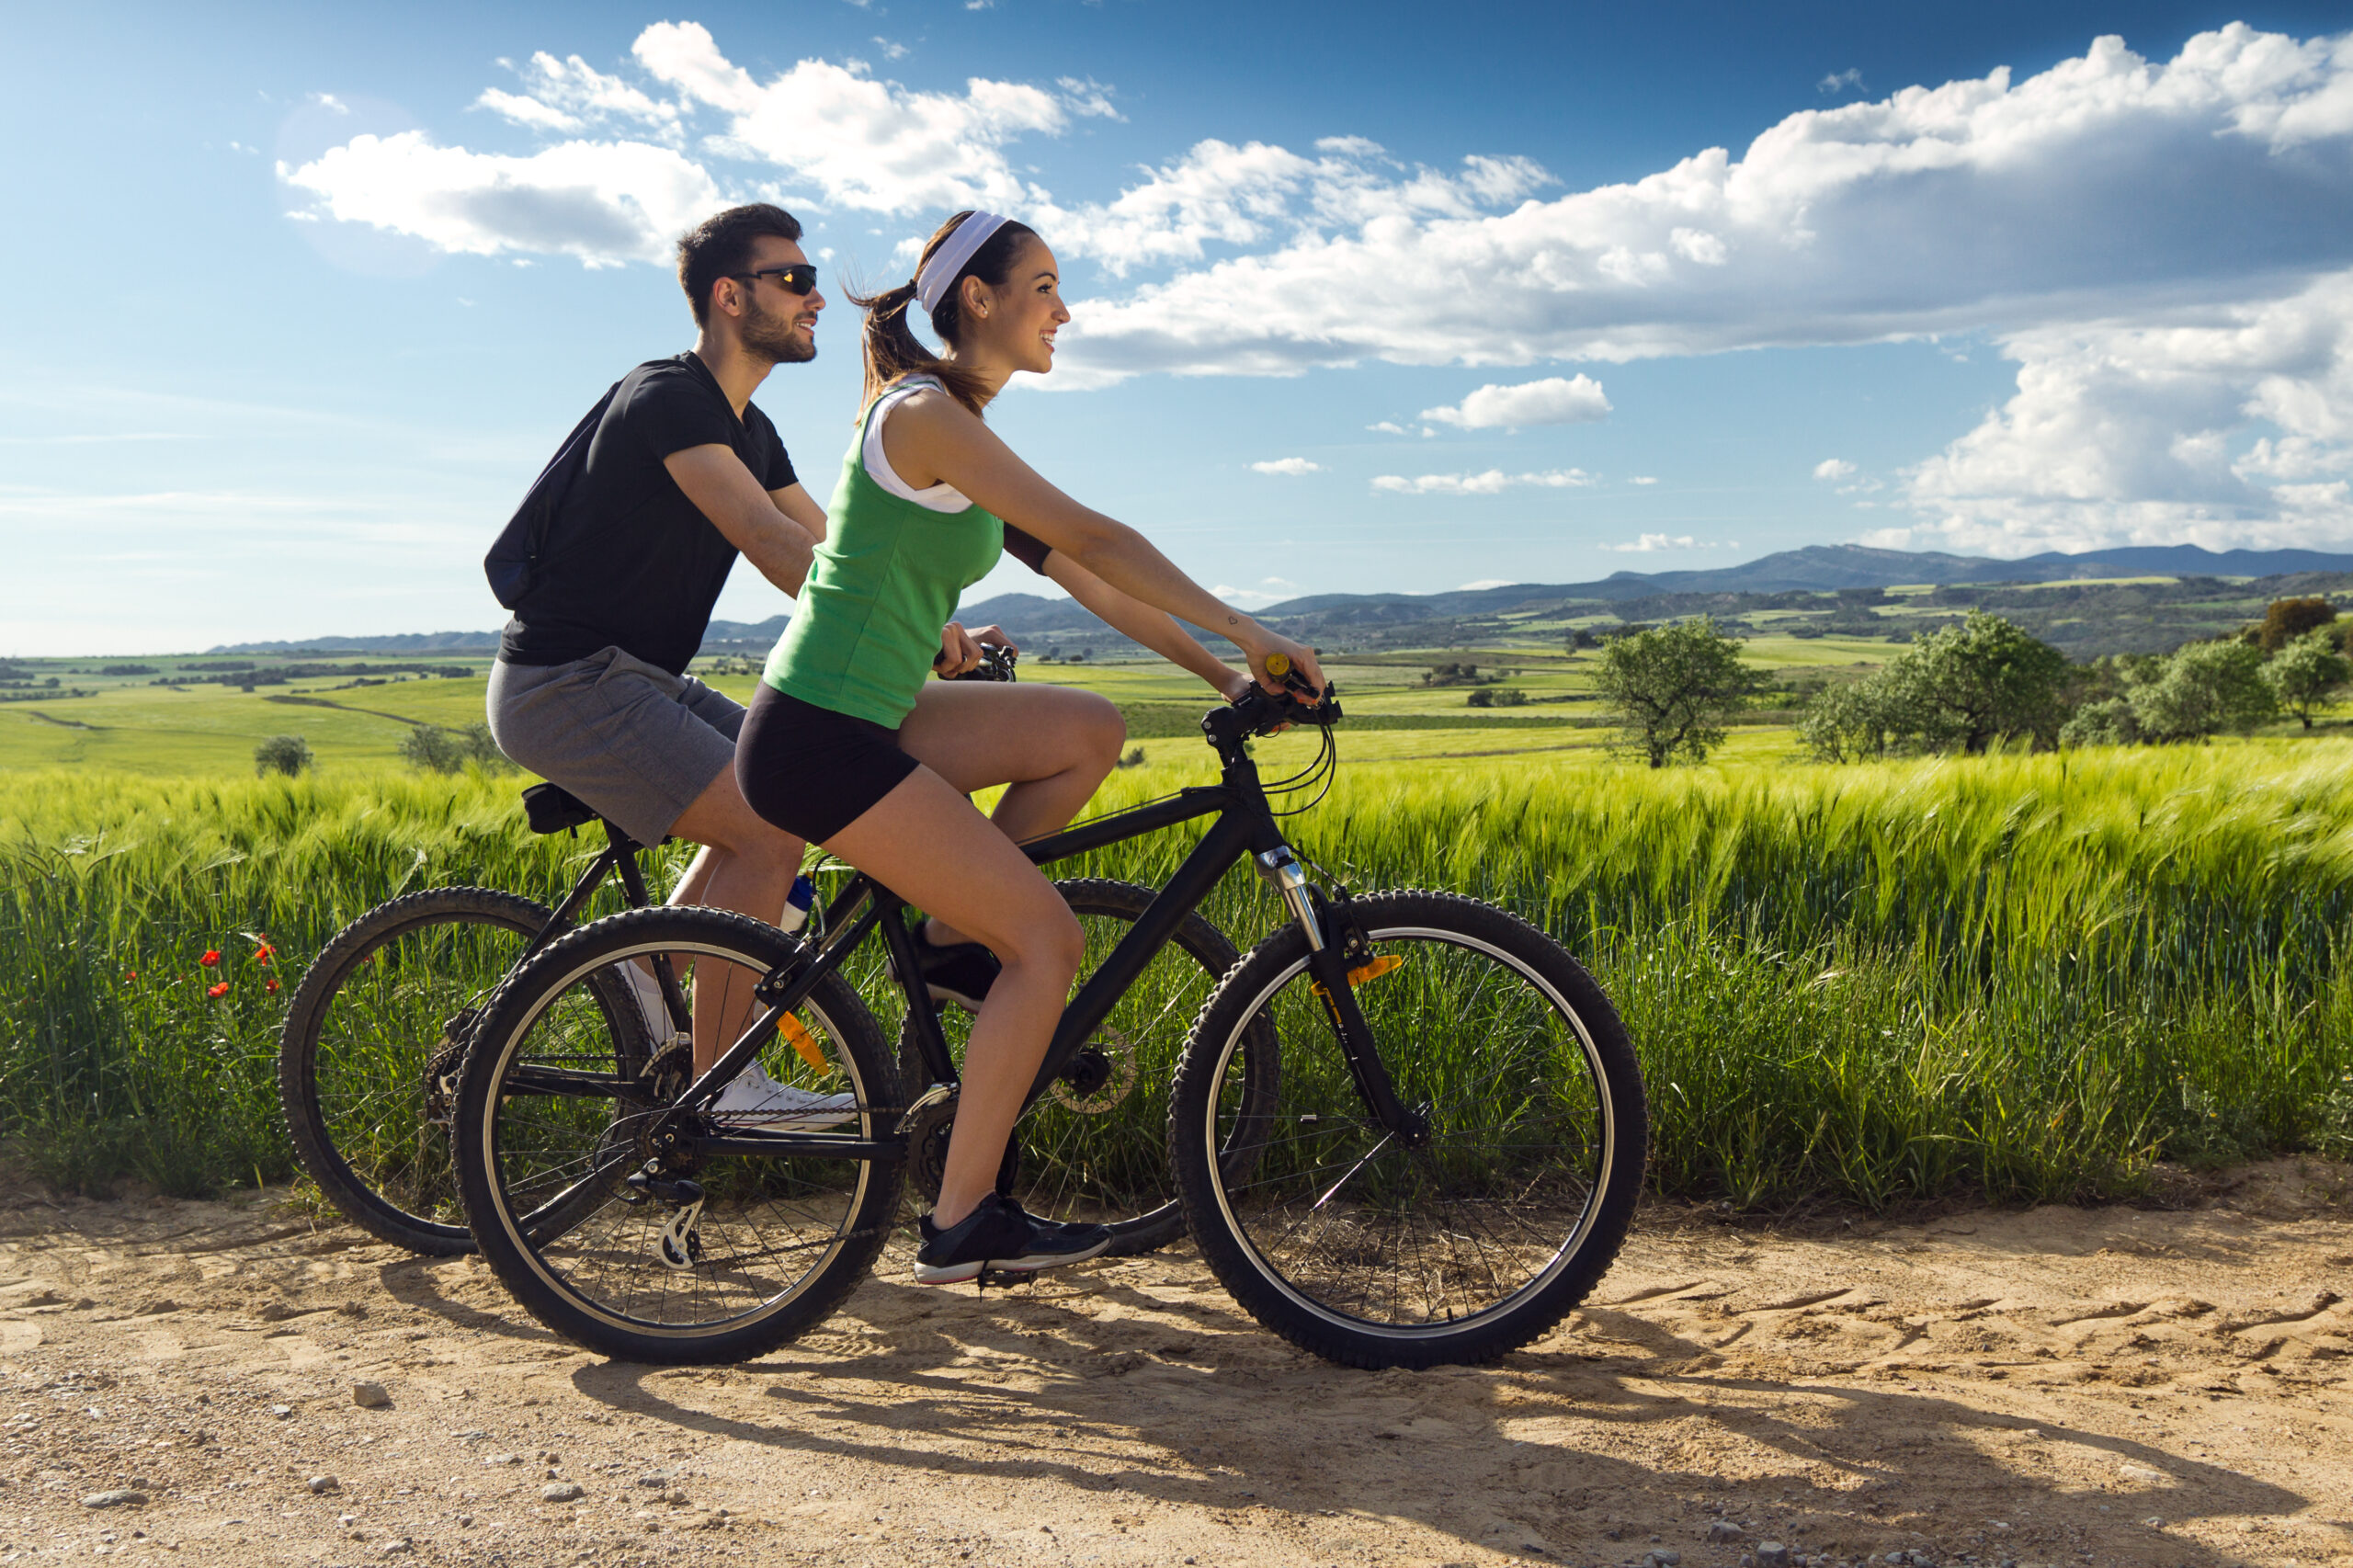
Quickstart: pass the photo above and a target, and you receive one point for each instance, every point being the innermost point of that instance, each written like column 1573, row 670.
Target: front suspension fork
column 1327, row 961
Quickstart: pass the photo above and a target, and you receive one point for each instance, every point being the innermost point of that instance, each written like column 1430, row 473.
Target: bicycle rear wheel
column 1487, row 1234
column 697, row 1259
column 393, row 994
column 1094, row 1147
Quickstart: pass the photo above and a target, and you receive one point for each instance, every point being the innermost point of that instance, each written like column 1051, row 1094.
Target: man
column 680, row 474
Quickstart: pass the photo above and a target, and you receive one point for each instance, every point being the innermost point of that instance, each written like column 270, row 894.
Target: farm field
column 209, row 730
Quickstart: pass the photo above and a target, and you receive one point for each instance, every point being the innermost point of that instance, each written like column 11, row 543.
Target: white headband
column 939, row 273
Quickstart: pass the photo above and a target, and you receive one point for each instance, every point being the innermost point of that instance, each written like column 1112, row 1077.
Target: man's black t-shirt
column 629, row 560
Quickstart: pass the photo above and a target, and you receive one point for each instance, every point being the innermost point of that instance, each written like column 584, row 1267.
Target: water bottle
column 797, row 903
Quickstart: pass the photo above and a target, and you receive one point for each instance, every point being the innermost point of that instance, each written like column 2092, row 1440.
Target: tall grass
column 2026, row 976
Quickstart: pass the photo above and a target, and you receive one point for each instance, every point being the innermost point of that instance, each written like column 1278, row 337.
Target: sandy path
column 2059, row 1387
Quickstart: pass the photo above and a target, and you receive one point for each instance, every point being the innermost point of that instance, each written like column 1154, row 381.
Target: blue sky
column 1369, row 298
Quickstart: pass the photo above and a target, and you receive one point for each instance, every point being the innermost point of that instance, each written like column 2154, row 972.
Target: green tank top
column 887, row 578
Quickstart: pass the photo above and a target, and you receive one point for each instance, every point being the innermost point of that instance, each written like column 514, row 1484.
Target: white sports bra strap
column 939, row 497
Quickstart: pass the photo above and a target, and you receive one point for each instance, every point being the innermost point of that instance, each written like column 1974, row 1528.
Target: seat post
column 624, row 855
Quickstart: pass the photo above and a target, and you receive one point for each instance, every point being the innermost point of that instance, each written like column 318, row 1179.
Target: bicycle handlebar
column 996, row 664
column 1260, row 712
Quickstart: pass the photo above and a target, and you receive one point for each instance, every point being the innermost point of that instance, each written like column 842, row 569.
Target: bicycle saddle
column 552, row 808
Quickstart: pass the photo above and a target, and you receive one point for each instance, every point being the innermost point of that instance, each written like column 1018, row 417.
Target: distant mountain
column 400, row 642
column 1355, row 618
column 1826, row 568
column 1062, row 627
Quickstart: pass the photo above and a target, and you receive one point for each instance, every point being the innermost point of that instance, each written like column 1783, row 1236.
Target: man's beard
column 776, row 336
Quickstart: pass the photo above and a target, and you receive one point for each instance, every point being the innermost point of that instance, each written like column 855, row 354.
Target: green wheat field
column 2026, row 977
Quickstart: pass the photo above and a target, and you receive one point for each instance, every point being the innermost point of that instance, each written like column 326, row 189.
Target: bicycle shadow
column 1130, row 1388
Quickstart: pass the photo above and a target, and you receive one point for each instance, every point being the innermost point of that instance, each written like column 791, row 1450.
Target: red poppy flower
column 212, row 959
column 130, row 974
column 219, row 990
column 272, row 986
column 261, row 954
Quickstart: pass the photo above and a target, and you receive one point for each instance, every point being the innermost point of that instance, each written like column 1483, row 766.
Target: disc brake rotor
column 1099, row 1078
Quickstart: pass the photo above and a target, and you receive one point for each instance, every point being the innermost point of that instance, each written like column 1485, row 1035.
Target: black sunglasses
column 797, row 278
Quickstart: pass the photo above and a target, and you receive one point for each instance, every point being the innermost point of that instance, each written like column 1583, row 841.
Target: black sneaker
column 998, row 1237
column 960, row 973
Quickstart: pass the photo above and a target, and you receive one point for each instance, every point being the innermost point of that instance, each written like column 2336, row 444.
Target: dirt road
column 2059, row 1386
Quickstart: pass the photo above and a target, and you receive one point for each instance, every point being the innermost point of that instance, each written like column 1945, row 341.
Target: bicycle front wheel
column 1482, row 1234
column 646, row 1251
column 387, row 1004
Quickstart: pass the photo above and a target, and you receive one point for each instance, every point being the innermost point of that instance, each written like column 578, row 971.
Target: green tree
column 2200, row 689
column 2105, row 722
column 289, row 754
column 1848, row 722
column 1673, row 686
column 2306, row 673
column 1963, row 688
column 2286, row 621
column 437, row 750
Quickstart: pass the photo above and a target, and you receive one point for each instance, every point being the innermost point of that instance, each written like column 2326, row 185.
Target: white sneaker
column 648, row 991
column 754, row 1100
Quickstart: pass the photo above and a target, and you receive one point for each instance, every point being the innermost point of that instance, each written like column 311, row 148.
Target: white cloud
column 853, row 140
column 1271, row 590
column 1294, row 466
column 858, row 141
column 1648, row 543
column 2124, row 433
column 1220, row 193
column 1389, row 427
column 1980, row 205
column 1486, row 583
column 1848, row 81
column 1492, row 483
column 1643, row 479
column 605, row 202
column 1085, row 95
column 1833, row 468
column 1552, row 401
column 890, row 50
column 570, row 95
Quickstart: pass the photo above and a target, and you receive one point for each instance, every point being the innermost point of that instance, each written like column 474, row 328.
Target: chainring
column 928, row 1130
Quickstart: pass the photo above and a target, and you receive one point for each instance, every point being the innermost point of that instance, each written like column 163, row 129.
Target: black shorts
column 810, row 770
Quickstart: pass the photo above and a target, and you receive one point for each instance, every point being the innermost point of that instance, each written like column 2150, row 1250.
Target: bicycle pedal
column 1001, row 1278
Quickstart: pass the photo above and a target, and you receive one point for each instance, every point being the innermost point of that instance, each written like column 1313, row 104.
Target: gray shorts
column 638, row 744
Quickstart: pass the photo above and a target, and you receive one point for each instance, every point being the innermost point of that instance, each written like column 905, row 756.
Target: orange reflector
column 802, row 1042
column 1356, row 977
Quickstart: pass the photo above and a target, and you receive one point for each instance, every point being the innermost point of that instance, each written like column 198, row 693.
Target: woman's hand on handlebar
column 960, row 651
column 1300, row 661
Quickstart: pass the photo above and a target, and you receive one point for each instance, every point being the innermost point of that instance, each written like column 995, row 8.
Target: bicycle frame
column 1244, row 827
column 619, row 855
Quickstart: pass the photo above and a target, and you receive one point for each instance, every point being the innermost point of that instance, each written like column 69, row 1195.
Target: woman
column 848, row 746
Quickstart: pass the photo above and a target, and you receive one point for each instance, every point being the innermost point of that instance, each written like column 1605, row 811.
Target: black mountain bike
column 1407, row 1128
